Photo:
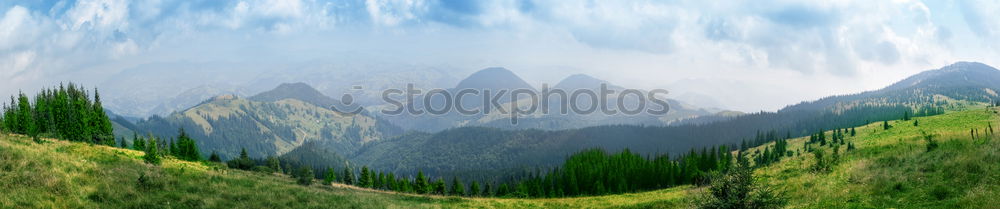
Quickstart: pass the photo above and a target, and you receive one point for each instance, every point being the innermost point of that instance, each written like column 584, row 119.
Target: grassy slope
column 890, row 169
column 893, row 169
column 60, row 174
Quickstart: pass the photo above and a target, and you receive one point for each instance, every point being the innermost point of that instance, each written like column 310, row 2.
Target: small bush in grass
column 738, row 189
column 305, row 176
column 931, row 144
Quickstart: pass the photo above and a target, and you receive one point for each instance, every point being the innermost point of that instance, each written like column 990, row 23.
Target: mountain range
column 296, row 120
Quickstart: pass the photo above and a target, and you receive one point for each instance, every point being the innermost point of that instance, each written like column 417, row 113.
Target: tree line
column 66, row 112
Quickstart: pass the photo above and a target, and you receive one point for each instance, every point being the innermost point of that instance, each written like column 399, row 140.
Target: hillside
column 476, row 150
column 60, row 174
column 500, row 82
column 888, row 169
column 227, row 123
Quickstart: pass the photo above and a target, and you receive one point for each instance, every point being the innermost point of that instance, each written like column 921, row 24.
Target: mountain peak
column 493, row 78
column 957, row 74
column 583, row 81
column 300, row 91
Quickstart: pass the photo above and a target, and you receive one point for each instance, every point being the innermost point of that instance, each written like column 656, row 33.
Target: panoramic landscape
column 499, row 104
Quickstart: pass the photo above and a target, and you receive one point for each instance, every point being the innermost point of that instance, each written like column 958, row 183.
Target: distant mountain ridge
column 474, row 150
column 271, row 123
column 498, row 80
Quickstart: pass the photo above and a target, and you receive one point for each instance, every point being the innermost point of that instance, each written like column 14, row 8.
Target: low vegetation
column 937, row 164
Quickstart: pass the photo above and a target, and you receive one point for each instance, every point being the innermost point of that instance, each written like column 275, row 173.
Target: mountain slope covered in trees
column 473, row 151
column 270, row 124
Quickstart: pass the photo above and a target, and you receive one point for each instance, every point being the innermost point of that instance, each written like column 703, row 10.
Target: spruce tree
column 348, row 176
column 138, row 143
column 214, row 157
column 439, row 187
column 456, row 187
column 329, row 176
column 152, row 156
column 123, row 144
column 488, row 190
column 305, row 175
column 421, row 185
column 474, row 189
column 274, row 164
column 366, row 178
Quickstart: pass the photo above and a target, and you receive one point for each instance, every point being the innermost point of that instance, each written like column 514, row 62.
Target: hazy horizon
column 749, row 56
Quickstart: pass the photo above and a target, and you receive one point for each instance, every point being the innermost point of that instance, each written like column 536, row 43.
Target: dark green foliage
column 243, row 162
column 738, row 189
column 916, row 123
column 329, row 176
column 439, row 187
column 304, row 176
column 906, row 115
column 595, row 172
column 348, row 176
column 931, row 143
column 138, row 143
column 274, row 164
column 772, row 154
column 152, row 156
column 421, row 185
column 123, row 144
column 823, row 163
column 379, row 181
column 185, row 148
column 853, row 133
column 885, row 125
column 214, row 157
column 66, row 112
column 474, row 189
column 457, row 188
column 365, row 179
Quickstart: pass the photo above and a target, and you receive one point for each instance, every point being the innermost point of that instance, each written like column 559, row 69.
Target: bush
column 737, row 189
column 305, row 176
column 931, row 143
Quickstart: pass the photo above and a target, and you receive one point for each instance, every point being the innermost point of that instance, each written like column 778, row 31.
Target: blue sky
column 735, row 51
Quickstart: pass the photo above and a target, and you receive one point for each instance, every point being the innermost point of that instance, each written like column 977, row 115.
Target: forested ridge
column 66, row 112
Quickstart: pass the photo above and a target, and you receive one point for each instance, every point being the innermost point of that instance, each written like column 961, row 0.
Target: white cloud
column 16, row 28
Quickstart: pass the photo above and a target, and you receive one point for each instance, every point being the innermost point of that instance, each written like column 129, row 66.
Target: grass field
column 889, row 169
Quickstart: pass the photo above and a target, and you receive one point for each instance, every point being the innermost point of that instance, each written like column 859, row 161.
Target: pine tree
column 906, row 115
column 439, row 187
column 916, row 123
column 214, row 157
column 348, row 176
column 421, row 185
column 380, row 180
column 274, row 164
column 186, row 148
column 138, row 143
column 103, row 130
column 123, row 144
column 474, row 189
column 305, row 175
column 853, row 133
column 487, row 190
column 243, row 162
column 885, row 125
column 456, row 187
column 366, row 178
column 329, row 176
column 152, row 156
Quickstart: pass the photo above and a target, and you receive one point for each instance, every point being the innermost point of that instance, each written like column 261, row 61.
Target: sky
column 745, row 55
